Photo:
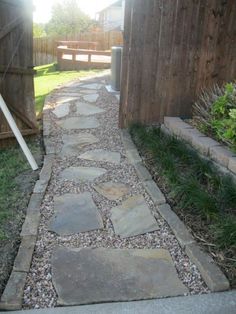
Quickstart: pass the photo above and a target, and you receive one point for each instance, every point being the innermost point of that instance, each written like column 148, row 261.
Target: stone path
column 100, row 238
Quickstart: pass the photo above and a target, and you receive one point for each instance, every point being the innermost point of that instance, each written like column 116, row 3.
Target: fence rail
column 45, row 48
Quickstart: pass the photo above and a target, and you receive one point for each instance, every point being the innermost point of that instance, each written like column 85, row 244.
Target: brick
column 212, row 275
column 142, row 172
column 203, row 144
column 30, row 226
column 154, row 192
column 177, row 226
column 175, row 125
column 13, row 293
column 188, row 134
column 24, row 256
column 232, row 164
column 133, row 156
column 221, row 155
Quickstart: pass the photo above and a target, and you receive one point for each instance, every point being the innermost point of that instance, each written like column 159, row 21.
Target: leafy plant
column 215, row 113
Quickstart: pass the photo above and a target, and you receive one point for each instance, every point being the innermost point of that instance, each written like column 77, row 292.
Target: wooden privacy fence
column 16, row 67
column 45, row 48
column 173, row 49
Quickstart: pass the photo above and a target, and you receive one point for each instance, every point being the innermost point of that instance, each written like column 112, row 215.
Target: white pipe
column 17, row 134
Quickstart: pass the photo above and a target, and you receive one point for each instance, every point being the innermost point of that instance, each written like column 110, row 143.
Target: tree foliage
column 67, row 18
column 39, row 30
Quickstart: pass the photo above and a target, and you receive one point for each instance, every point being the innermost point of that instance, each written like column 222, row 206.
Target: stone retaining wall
column 206, row 146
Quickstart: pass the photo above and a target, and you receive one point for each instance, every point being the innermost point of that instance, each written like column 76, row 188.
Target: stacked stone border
column 212, row 275
column 220, row 155
column 12, row 296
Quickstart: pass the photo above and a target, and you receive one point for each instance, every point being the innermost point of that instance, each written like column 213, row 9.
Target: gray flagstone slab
column 62, row 110
column 87, row 109
column 92, row 86
column 91, row 98
column 88, row 91
column 75, row 213
column 73, row 143
column 101, row 155
column 65, row 97
column 78, row 174
column 133, row 217
column 84, row 276
column 112, row 190
column 77, row 123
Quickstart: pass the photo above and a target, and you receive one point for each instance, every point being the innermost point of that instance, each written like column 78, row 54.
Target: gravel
column 39, row 291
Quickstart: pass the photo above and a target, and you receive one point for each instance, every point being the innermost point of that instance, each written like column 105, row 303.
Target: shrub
column 215, row 113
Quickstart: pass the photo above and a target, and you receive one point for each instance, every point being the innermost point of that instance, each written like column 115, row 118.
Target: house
column 112, row 17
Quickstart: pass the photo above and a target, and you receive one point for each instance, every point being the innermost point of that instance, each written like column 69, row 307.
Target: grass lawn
column 48, row 78
column 202, row 197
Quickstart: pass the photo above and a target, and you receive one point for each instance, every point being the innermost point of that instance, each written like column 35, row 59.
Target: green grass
column 194, row 183
column 12, row 163
column 48, row 78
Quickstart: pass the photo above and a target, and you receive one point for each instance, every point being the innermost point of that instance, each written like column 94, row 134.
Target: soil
column 9, row 246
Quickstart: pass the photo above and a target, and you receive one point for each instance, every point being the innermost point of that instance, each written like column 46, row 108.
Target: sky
column 42, row 11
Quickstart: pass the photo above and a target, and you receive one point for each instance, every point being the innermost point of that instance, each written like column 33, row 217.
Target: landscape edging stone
column 210, row 272
column 11, row 298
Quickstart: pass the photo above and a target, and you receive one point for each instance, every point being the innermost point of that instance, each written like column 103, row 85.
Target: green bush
column 215, row 113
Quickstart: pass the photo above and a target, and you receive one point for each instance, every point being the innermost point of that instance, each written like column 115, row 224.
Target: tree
column 67, row 18
column 39, row 30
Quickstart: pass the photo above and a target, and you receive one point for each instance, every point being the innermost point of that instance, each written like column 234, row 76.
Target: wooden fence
column 45, row 48
column 173, row 49
column 16, row 67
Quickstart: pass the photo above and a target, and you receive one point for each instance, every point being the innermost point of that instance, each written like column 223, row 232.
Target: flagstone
column 78, row 174
column 73, row 143
column 65, row 97
column 112, row 190
column 75, row 213
column 91, row 97
column 76, row 123
column 62, row 110
column 133, row 217
column 92, row 86
column 88, row 91
column 84, row 276
column 87, row 109
column 101, row 155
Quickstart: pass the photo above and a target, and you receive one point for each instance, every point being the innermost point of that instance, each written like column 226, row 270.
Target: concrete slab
column 78, row 123
column 101, row 155
column 78, row 174
column 84, row 276
column 214, row 303
column 75, row 213
column 133, row 217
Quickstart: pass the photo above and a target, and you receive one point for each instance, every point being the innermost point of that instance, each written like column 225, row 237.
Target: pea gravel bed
column 39, row 291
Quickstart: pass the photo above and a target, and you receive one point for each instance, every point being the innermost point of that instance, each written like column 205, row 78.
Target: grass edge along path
column 203, row 198
column 48, row 78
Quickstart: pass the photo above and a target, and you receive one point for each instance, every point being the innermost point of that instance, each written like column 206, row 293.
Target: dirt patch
column 22, row 187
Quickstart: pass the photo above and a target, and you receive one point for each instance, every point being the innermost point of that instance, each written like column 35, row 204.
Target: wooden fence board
column 16, row 66
column 45, row 48
column 173, row 49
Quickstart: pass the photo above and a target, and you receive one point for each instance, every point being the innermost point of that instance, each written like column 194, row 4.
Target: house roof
column 114, row 4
